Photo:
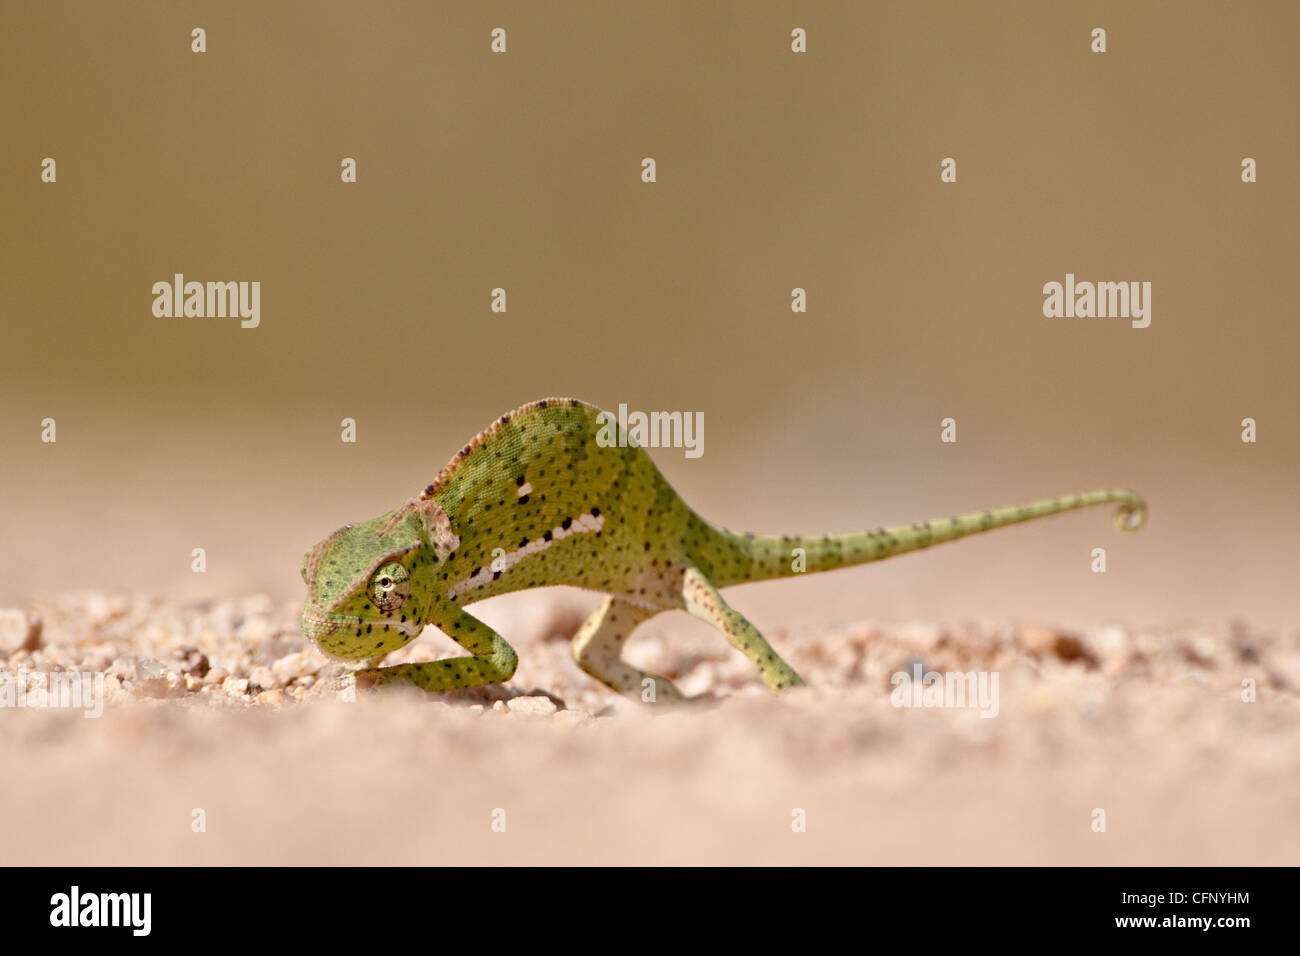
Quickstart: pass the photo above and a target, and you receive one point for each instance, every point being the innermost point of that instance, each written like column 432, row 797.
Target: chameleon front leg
column 598, row 650
column 703, row 600
column 493, row 660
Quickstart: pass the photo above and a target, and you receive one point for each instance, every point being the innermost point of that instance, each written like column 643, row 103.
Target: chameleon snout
column 320, row 626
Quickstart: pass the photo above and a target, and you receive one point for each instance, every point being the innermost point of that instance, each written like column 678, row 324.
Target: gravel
column 1186, row 737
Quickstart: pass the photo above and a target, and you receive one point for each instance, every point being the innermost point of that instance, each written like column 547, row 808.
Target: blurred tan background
column 775, row 170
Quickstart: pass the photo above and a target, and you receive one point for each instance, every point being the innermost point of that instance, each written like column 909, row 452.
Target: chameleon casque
column 536, row 500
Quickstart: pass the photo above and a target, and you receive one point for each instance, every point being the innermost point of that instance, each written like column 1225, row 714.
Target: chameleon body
column 537, row 499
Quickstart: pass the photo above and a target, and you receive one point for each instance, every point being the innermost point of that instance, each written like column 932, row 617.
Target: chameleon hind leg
column 704, row 601
column 493, row 660
column 598, row 650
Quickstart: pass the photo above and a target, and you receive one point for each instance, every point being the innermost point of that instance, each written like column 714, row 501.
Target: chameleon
column 543, row 497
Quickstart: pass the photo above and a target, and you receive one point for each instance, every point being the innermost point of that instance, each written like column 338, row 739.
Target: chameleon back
column 547, row 496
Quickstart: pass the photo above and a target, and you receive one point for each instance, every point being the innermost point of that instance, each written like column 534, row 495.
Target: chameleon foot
column 704, row 602
column 598, row 648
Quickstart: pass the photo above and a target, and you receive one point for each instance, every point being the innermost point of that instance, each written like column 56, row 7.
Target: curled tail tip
column 1132, row 513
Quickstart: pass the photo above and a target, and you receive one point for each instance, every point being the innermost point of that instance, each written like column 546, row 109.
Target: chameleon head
column 368, row 585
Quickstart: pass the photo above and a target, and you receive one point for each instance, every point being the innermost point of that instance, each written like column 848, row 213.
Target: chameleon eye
column 390, row 586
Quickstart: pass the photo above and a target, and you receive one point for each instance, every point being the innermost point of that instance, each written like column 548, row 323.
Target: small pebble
column 192, row 661
column 300, row 664
column 19, row 630
column 533, row 706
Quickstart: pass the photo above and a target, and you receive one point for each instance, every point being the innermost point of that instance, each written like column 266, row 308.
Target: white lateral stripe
column 587, row 524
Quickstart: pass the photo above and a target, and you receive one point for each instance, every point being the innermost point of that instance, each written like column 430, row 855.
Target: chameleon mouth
column 321, row 625
column 332, row 632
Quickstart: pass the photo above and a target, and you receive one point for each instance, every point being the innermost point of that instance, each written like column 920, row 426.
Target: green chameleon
column 537, row 499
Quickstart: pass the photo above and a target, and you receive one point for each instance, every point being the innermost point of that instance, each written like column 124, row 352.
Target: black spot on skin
column 523, row 499
column 495, row 575
column 523, row 543
column 595, row 512
column 519, row 480
column 464, row 452
column 566, row 523
column 547, row 536
column 505, row 419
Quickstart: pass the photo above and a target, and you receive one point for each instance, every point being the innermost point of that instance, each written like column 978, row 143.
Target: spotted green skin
column 535, row 500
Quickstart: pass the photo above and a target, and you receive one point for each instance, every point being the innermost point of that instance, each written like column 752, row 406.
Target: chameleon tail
column 737, row 558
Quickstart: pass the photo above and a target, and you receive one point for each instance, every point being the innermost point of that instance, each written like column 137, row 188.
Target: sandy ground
column 224, row 739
